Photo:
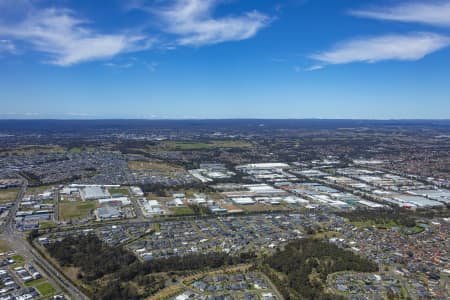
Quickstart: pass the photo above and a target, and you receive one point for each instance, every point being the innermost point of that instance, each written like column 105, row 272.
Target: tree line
column 300, row 270
column 382, row 216
column 122, row 270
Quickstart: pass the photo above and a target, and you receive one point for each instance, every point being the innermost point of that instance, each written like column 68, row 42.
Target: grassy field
column 123, row 191
column 413, row 230
column 261, row 207
column 75, row 150
column 46, row 289
column 75, row 210
column 182, row 211
column 176, row 145
column 8, row 195
column 231, row 207
column 33, row 149
column 4, row 246
column 35, row 282
column 80, row 149
column 389, row 225
column 38, row 189
column 369, row 223
column 47, row 225
column 18, row 260
column 154, row 166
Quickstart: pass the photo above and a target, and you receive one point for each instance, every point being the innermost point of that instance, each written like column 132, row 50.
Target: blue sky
column 225, row 59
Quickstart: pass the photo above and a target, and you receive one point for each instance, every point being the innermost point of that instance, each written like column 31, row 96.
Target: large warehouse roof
column 264, row 166
column 93, row 192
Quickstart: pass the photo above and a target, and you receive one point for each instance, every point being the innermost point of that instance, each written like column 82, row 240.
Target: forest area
column 381, row 218
column 116, row 273
column 300, row 270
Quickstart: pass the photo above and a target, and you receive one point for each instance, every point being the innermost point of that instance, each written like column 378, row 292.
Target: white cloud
column 7, row 46
column 427, row 12
column 388, row 47
column 66, row 39
column 314, row 68
column 119, row 66
column 193, row 23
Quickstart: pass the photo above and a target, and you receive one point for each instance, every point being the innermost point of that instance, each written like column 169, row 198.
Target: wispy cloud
column 193, row 24
column 427, row 12
column 130, row 62
column 409, row 47
column 119, row 65
column 7, row 46
column 67, row 39
column 151, row 66
column 314, row 68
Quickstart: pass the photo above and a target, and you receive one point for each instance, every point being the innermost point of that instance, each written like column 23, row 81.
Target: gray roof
column 108, row 212
column 94, row 192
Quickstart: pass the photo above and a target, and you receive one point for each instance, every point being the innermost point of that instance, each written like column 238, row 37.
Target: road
column 8, row 226
column 56, row 206
column 136, row 207
column 17, row 241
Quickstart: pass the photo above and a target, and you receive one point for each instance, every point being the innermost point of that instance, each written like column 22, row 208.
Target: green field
column 75, row 150
column 75, row 210
column 389, row 225
column 18, row 260
column 35, row 282
column 182, row 211
column 123, row 191
column 369, row 223
column 413, row 230
column 46, row 289
column 47, row 225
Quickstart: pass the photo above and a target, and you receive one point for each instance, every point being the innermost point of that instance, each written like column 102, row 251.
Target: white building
column 93, row 193
column 263, row 166
column 243, row 201
column 151, row 207
column 137, row 191
column 123, row 201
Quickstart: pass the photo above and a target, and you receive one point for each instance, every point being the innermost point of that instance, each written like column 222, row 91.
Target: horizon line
column 224, row 119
